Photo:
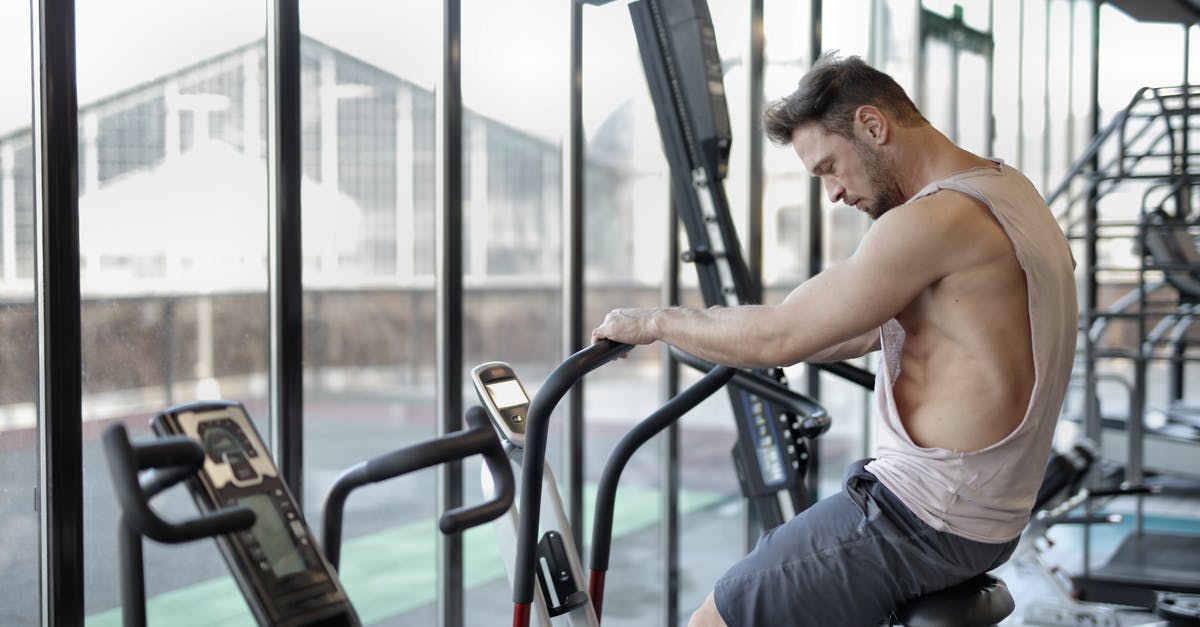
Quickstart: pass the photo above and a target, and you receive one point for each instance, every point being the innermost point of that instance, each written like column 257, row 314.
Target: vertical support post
column 572, row 276
column 1046, row 122
column 449, row 117
column 286, row 370
column 1069, row 153
column 669, row 445
column 1184, row 206
column 955, row 52
column 816, row 258
column 1091, row 402
column 989, row 97
column 1021, row 84
column 754, row 148
column 57, row 298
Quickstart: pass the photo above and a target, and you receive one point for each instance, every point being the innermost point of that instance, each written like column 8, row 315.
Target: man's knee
column 707, row 615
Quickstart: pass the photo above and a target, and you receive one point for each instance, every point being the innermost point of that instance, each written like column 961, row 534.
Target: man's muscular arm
column 850, row 349
column 905, row 251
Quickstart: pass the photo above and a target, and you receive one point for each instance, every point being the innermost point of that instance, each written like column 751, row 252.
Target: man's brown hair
column 830, row 93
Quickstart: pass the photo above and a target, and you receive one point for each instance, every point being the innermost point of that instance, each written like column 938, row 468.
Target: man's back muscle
column 966, row 369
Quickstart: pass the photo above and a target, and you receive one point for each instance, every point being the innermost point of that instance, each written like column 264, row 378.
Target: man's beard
column 885, row 188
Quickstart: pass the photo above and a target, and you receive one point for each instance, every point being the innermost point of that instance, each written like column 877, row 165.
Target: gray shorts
column 848, row 561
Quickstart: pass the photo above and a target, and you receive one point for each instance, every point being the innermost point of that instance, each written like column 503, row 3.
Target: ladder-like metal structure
column 1129, row 204
column 683, row 69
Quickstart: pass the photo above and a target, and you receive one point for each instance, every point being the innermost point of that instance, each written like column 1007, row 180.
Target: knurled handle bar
column 813, row 419
column 537, row 425
column 186, row 456
column 606, row 493
column 478, row 439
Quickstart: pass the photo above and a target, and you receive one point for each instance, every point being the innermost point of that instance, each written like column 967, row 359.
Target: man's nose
column 834, row 190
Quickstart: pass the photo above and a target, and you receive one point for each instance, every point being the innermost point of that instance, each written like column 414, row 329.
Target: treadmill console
column 284, row 576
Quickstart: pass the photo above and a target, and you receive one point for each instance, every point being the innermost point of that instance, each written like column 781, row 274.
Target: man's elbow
column 776, row 353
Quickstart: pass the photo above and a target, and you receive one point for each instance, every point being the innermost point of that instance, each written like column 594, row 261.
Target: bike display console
column 284, row 576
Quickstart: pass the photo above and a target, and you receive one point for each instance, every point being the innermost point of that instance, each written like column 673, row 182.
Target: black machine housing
column 683, row 69
column 285, row 577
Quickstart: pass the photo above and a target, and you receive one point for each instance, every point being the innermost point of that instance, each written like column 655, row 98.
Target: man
column 966, row 282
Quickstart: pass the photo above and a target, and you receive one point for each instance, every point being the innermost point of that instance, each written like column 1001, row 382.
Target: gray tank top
column 987, row 495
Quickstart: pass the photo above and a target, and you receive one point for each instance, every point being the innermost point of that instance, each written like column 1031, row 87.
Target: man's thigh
column 848, row 560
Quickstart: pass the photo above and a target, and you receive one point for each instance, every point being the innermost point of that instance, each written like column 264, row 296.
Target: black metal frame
column 60, row 388
column 450, row 307
column 961, row 38
column 285, row 258
column 573, row 257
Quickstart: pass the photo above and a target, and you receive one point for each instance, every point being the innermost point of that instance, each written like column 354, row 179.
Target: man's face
column 852, row 171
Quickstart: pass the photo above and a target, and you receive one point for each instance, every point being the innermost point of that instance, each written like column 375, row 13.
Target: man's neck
column 923, row 155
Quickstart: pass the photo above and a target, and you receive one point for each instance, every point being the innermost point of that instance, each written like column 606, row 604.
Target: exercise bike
column 276, row 560
column 545, row 570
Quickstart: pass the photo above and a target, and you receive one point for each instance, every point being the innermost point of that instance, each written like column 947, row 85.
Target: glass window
column 18, row 325
column 842, row 29
column 1150, row 55
column 367, row 91
column 515, row 78
column 1006, row 97
column 626, row 236
column 173, row 244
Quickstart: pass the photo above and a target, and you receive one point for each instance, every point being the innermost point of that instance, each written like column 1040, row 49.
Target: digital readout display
column 507, row 393
column 274, row 536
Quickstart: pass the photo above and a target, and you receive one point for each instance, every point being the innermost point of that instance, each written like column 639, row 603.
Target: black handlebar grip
column 173, row 450
column 556, row 385
column 125, row 460
column 461, row 518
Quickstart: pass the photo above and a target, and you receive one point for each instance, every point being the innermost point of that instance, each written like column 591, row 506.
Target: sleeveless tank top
column 987, row 495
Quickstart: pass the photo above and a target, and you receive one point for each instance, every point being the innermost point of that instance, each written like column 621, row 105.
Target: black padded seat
column 980, row 602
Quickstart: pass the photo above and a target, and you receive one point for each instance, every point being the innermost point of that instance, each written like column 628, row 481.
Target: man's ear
column 872, row 125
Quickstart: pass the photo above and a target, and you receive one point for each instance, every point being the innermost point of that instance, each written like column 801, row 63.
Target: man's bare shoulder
column 930, row 232
column 948, row 225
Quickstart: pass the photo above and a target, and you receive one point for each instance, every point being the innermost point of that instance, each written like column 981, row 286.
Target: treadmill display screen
column 507, row 393
column 273, row 536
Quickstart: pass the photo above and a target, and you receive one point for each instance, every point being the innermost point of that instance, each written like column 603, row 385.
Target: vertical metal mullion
column 286, row 372
column 1046, row 121
column 816, row 258
column 754, row 146
column 669, row 446
column 60, row 389
column 450, row 306
column 990, row 84
column 1021, row 85
column 1069, row 153
column 1092, row 426
column 572, row 276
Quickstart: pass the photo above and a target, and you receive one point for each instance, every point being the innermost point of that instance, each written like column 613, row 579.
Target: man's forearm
column 738, row 336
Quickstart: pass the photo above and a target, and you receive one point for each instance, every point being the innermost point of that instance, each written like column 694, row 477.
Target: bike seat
column 979, row 602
